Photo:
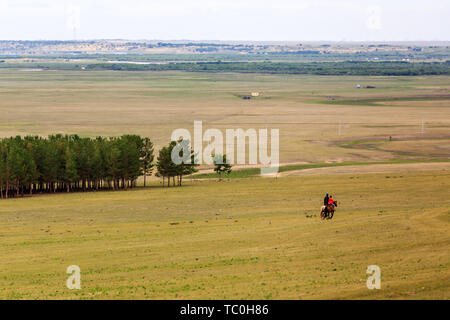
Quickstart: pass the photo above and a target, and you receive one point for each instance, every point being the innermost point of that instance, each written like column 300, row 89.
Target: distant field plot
column 314, row 113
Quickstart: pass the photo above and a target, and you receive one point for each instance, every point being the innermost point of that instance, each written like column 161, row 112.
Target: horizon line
column 229, row 40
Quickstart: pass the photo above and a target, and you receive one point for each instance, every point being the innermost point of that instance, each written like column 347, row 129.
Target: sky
column 257, row 20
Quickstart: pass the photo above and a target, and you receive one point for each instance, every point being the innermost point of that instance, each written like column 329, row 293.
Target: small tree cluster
column 70, row 163
column 168, row 169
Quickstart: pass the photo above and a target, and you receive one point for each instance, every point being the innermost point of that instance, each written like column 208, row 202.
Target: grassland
column 242, row 239
column 249, row 238
column 155, row 103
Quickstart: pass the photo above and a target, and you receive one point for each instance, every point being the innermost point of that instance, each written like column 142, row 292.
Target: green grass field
column 242, row 239
column 252, row 238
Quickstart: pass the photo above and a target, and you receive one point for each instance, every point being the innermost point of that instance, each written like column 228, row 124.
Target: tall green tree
column 147, row 158
column 165, row 166
column 70, row 172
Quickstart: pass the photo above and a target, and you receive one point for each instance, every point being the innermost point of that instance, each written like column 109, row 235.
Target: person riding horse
column 325, row 200
column 325, row 204
column 328, row 205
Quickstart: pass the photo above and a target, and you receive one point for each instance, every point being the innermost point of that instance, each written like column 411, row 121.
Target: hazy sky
column 381, row 20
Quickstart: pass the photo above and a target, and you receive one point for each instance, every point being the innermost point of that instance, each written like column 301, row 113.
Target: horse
column 327, row 212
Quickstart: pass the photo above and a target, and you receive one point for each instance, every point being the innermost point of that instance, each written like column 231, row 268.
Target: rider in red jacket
column 331, row 201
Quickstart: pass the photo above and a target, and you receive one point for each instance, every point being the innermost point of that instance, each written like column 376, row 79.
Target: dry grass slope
column 250, row 238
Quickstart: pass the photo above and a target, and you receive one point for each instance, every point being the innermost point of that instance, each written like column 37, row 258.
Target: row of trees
column 65, row 163
column 369, row 68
